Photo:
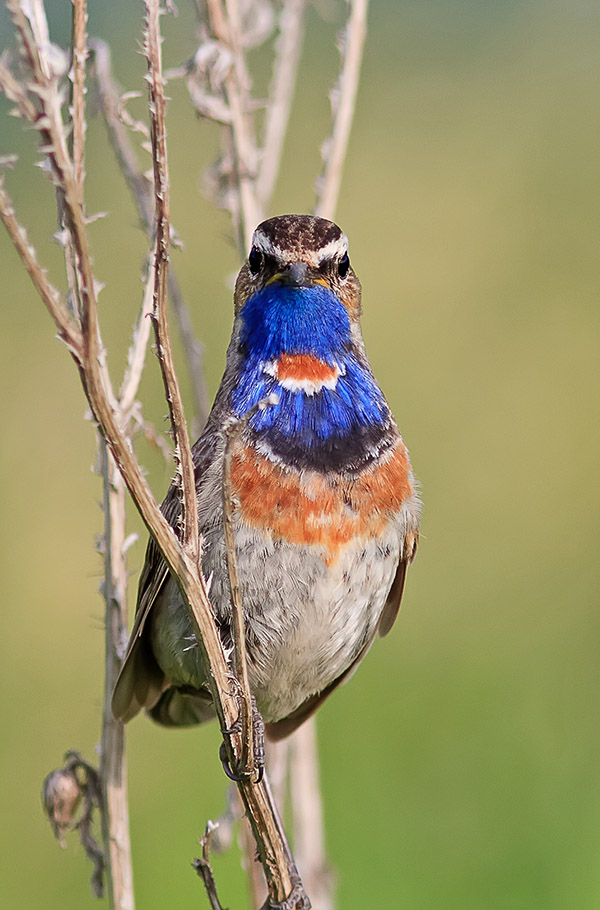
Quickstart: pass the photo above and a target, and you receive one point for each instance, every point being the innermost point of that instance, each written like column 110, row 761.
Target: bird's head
column 297, row 283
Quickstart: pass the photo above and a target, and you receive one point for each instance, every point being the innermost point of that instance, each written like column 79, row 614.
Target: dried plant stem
column 203, row 867
column 225, row 25
column 113, row 763
column 113, row 774
column 109, row 99
column 183, row 454
column 141, row 191
column 272, row 846
column 79, row 57
column 288, row 49
column 343, row 100
column 238, row 634
column 68, row 330
column 137, row 352
column 307, row 808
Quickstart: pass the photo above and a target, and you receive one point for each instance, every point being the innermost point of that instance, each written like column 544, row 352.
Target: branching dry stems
column 141, row 189
column 343, row 100
column 249, row 169
column 182, row 556
column 183, row 454
column 113, row 765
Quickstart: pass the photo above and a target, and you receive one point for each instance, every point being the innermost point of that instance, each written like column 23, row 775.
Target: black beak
column 295, row 274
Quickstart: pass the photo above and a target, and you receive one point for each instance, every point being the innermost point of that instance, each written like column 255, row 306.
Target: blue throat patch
column 333, row 427
column 282, row 319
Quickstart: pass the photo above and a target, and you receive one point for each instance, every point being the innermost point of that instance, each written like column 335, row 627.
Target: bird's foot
column 297, row 899
column 254, row 765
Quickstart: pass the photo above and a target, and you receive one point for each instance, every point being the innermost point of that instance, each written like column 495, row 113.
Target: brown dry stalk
column 68, row 330
column 225, row 25
column 79, row 55
column 113, row 763
column 230, row 432
column 240, row 663
column 84, row 346
column 113, row 773
column 140, row 188
column 288, row 48
column 204, row 870
column 343, row 99
column 183, row 454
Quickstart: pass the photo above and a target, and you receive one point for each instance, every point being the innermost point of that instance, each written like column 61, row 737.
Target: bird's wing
column 394, row 598
column 141, row 682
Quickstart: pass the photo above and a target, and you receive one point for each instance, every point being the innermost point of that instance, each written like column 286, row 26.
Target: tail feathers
column 140, row 684
column 182, row 707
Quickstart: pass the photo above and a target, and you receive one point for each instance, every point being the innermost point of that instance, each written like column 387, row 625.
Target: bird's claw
column 297, row 899
column 256, row 765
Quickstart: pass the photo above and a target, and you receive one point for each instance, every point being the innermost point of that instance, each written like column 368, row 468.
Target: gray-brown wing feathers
column 141, row 682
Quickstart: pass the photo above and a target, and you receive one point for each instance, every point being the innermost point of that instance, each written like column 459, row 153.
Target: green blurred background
column 460, row 765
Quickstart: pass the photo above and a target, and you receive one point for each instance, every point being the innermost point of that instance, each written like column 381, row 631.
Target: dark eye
column 343, row 266
column 255, row 260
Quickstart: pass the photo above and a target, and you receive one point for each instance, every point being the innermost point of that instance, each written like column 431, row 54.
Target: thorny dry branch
column 343, row 99
column 204, row 869
column 109, row 100
column 247, row 174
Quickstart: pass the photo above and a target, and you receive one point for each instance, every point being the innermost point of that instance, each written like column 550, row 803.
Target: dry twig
column 251, row 183
column 79, row 54
column 84, row 346
column 203, row 867
column 288, row 48
column 109, row 100
column 343, row 99
column 183, row 454
column 113, row 765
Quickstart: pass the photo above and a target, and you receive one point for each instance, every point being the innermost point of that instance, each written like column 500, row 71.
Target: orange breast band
column 303, row 373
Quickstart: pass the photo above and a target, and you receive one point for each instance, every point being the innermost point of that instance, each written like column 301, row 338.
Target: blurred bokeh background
column 460, row 764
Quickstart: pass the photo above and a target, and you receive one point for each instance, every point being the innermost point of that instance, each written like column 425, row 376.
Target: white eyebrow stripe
column 264, row 244
column 333, row 248
column 339, row 246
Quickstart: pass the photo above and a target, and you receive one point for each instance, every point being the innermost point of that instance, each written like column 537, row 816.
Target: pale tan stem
column 226, row 28
column 240, row 660
column 343, row 102
column 140, row 188
column 113, row 762
column 79, row 57
column 136, row 356
column 68, row 329
column 288, row 48
column 307, row 808
column 113, row 766
column 183, row 454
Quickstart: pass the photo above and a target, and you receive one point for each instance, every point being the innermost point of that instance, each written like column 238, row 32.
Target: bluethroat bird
column 325, row 510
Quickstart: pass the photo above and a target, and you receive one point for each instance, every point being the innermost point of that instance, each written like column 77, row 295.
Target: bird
column 325, row 506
